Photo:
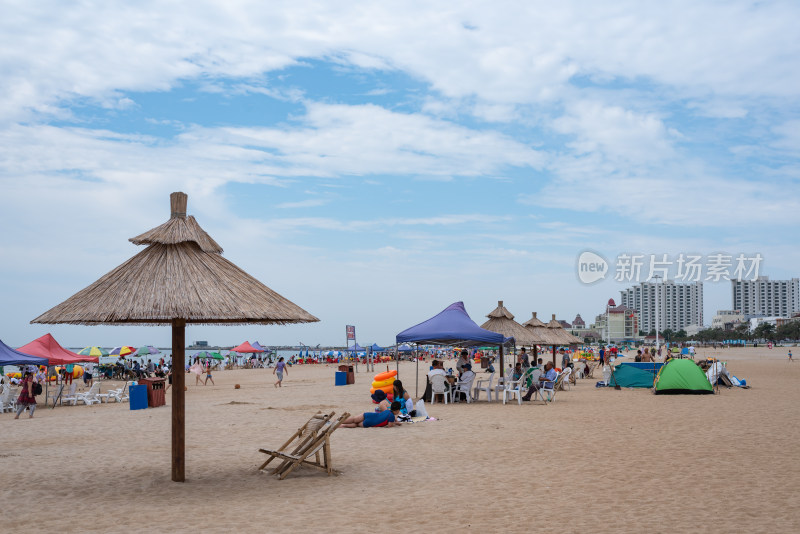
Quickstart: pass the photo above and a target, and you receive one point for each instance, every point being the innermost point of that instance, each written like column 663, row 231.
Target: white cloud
column 506, row 53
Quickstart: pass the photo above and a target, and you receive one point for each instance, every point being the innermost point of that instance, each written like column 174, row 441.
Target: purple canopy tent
column 452, row 326
column 9, row 356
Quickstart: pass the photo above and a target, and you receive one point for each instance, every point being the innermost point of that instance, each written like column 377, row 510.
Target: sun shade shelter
column 246, row 347
column 502, row 321
column 180, row 278
column 451, row 326
column 541, row 335
column 9, row 356
column 47, row 347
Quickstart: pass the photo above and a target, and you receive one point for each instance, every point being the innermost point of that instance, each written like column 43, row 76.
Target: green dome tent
column 682, row 377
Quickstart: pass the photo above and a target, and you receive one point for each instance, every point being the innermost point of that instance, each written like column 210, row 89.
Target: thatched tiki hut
column 179, row 279
column 539, row 333
column 560, row 335
column 502, row 321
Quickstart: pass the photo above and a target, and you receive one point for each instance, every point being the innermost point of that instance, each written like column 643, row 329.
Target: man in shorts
column 385, row 418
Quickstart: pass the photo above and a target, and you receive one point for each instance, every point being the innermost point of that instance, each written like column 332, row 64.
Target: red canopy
column 47, row 347
column 244, row 347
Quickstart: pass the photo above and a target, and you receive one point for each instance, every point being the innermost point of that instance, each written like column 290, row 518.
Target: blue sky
column 376, row 162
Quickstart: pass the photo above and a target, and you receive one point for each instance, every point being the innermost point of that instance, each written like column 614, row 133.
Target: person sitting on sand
column 385, row 418
column 400, row 394
column 545, row 381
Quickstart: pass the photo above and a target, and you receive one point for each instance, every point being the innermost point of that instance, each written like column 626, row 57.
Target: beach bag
column 421, row 412
column 37, row 388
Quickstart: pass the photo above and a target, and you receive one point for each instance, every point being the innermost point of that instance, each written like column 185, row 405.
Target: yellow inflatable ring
column 381, row 383
column 384, row 376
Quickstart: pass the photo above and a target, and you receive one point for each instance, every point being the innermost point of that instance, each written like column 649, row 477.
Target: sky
column 374, row 162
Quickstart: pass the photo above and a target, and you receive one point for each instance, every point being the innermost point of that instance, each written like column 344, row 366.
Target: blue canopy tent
column 451, row 326
column 405, row 347
column 376, row 348
column 9, row 356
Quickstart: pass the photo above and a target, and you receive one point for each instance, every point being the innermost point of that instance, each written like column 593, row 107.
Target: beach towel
column 196, row 369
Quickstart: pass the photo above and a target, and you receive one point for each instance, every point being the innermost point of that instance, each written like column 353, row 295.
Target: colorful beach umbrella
column 147, row 349
column 93, row 351
column 122, row 351
column 208, row 354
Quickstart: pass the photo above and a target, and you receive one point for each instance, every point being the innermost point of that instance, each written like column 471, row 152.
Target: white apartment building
column 765, row 297
column 679, row 305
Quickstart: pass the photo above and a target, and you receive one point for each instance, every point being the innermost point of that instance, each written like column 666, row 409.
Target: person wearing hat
column 462, row 360
column 379, row 396
column 467, row 376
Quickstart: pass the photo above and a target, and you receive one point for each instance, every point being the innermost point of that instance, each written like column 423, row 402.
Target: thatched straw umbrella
column 180, row 278
column 502, row 321
column 540, row 334
column 562, row 336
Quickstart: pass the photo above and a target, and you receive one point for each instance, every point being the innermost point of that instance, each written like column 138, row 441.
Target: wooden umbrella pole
column 501, row 360
column 178, row 400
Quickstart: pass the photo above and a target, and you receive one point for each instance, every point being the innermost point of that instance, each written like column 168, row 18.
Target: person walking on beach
column 279, row 369
column 26, row 398
column 790, row 356
column 208, row 375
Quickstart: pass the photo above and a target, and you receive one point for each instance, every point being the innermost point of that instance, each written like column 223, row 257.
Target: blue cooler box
column 138, row 400
column 341, row 378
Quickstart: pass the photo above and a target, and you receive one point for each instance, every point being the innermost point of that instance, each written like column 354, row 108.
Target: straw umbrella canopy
column 502, row 321
column 564, row 337
column 538, row 331
column 180, row 278
column 560, row 335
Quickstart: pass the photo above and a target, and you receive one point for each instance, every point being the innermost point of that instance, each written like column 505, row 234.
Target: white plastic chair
column 71, row 397
column 89, row 397
column 53, row 394
column 484, row 384
column 513, row 388
column 462, row 387
column 439, row 387
column 7, row 402
column 105, row 397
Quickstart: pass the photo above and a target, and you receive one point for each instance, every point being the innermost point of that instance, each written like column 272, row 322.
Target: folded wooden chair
column 313, row 438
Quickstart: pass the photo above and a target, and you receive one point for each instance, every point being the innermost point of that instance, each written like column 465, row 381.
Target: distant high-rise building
column 770, row 298
column 679, row 305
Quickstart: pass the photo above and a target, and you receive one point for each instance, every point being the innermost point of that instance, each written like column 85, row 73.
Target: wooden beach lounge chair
column 309, row 446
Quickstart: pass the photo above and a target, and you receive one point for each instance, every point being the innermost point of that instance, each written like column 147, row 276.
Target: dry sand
column 595, row 460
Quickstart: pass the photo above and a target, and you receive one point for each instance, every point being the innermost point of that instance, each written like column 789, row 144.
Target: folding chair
column 310, row 439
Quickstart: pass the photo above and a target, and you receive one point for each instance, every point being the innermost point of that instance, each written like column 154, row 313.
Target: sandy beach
column 595, row 460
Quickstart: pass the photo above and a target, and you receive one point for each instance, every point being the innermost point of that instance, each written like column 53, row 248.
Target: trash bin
column 484, row 362
column 341, row 378
column 155, row 391
column 138, row 397
column 350, row 373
